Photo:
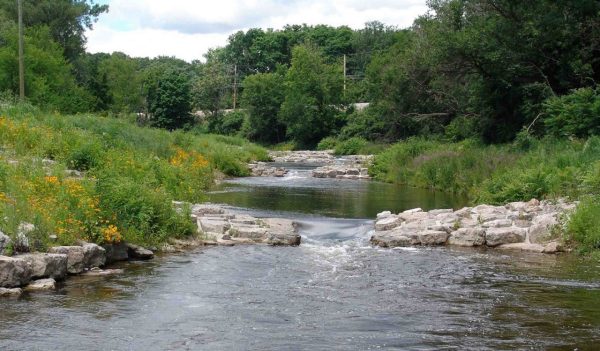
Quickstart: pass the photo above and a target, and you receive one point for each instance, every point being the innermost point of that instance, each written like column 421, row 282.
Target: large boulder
column 433, row 237
column 116, row 252
column 467, row 237
column 139, row 253
column 4, row 242
column 14, row 272
column 391, row 239
column 75, row 257
column 94, row 255
column 541, row 229
column 46, row 265
column 14, row 292
column 506, row 235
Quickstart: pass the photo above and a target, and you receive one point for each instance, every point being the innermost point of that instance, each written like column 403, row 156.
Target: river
column 334, row 292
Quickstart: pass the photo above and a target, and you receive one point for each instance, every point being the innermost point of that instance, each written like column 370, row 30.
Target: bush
column 576, row 114
column 461, row 128
column 584, row 224
column 328, row 143
column 351, row 146
column 227, row 124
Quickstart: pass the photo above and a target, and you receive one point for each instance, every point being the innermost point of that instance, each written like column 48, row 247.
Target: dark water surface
column 334, row 292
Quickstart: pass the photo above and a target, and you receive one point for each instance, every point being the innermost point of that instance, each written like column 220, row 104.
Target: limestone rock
column 102, row 272
column 94, row 255
column 499, row 236
column 467, row 237
column 552, row 247
column 41, row 284
column 14, row 272
column 75, row 257
column 388, row 223
column 4, row 242
column 46, row 265
column 4, row 292
column 541, row 230
column 219, row 226
column 521, row 247
column 433, row 237
column 116, row 252
column 139, row 253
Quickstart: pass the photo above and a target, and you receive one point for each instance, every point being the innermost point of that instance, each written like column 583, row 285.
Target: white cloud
column 188, row 28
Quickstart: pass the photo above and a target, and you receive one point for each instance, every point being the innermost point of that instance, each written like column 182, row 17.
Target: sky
column 188, row 28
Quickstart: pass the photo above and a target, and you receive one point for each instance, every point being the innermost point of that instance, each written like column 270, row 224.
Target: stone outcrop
column 225, row 227
column 341, row 172
column 14, row 272
column 262, row 169
column 4, row 242
column 526, row 226
column 46, row 265
column 75, row 257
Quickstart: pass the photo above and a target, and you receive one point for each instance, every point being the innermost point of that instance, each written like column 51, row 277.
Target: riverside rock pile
column 261, row 169
column 526, row 226
column 307, row 157
column 222, row 227
column 41, row 271
column 341, row 172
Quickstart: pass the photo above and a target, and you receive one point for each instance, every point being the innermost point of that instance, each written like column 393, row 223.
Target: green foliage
column 328, row 143
column 576, row 114
column 312, row 89
column 169, row 103
column 352, row 146
column 229, row 123
column 583, row 226
column 210, row 87
column 263, row 96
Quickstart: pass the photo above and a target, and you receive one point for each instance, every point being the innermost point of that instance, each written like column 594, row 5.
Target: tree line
column 486, row 69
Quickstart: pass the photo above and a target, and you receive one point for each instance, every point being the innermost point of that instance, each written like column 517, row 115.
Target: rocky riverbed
column 527, row 226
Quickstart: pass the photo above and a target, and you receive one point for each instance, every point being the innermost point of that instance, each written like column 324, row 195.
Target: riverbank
column 104, row 180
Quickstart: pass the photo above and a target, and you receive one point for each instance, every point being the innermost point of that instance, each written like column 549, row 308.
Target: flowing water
column 334, row 292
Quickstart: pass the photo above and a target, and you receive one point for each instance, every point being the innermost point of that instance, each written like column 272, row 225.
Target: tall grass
column 132, row 175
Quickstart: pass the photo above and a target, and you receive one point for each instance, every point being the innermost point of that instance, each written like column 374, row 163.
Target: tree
column 169, row 102
column 312, row 93
column 211, row 87
column 263, row 96
column 124, row 81
column 48, row 78
column 67, row 20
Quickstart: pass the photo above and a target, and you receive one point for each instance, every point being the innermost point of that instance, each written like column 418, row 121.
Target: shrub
column 350, row 146
column 328, row 143
column 576, row 114
column 584, row 224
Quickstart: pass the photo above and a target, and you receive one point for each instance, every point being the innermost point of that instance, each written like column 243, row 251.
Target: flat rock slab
column 13, row 292
column 41, row 284
column 226, row 227
column 102, row 272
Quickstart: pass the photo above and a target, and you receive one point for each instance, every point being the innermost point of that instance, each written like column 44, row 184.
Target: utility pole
column 344, row 74
column 234, row 86
column 21, row 59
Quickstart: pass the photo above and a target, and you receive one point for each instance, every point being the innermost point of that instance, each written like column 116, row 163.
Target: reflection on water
column 334, row 292
column 328, row 197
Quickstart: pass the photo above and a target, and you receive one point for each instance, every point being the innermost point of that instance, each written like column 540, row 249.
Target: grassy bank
column 131, row 175
column 529, row 168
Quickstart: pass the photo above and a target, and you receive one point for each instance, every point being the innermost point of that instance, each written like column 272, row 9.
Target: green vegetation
column 131, row 176
column 494, row 99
